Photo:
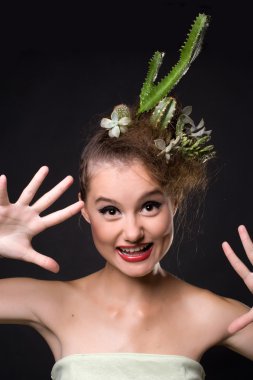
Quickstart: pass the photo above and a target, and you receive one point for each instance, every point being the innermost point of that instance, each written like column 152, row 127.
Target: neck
column 119, row 286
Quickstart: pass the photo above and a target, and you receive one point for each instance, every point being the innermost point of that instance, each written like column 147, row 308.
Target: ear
column 84, row 210
column 175, row 207
column 174, row 204
column 175, row 210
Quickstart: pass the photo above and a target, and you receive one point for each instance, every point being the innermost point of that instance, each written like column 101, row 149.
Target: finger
column 41, row 260
column 236, row 263
column 246, row 242
column 33, row 186
column 62, row 215
column 241, row 322
column 4, row 199
column 51, row 196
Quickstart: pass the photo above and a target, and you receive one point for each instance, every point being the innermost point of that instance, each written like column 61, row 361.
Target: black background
column 62, row 66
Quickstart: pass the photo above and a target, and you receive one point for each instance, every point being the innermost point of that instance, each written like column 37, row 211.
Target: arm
column 240, row 341
column 241, row 328
column 21, row 300
column 243, row 272
column 19, row 223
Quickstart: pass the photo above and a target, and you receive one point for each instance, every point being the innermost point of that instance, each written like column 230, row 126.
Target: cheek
column 101, row 231
column 162, row 226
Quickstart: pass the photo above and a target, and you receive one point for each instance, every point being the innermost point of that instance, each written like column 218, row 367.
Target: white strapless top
column 126, row 366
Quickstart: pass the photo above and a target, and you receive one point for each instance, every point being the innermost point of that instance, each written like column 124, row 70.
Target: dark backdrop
column 64, row 66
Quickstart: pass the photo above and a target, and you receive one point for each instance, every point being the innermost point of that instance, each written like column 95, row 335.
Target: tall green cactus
column 151, row 94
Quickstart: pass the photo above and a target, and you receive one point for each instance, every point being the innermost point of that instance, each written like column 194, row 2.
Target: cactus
column 151, row 94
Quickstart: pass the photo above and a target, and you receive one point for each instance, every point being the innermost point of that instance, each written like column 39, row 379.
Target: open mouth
column 134, row 255
column 135, row 251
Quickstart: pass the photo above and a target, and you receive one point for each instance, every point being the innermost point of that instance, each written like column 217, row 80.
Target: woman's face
column 131, row 218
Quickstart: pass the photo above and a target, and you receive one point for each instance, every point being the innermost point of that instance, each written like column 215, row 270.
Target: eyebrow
column 148, row 194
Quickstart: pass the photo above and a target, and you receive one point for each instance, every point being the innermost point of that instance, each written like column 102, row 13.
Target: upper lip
column 134, row 246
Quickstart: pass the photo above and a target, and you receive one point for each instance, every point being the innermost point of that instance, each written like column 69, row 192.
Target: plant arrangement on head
column 159, row 133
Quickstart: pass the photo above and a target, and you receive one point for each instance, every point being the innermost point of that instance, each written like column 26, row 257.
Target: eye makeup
column 150, row 206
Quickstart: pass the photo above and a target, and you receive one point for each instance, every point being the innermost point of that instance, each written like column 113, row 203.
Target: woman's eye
column 149, row 208
column 109, row 210
column 152, row 206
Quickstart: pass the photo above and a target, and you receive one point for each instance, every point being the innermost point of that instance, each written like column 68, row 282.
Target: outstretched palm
column 243, row 272
column 20, row 221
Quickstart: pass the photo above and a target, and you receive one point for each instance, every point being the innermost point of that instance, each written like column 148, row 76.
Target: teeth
column 133, row 250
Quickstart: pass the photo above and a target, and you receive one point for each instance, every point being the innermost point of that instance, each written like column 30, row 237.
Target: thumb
column 241, row 322
column 41, row 260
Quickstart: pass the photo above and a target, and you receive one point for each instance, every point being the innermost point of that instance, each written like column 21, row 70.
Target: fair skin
column 164, row 315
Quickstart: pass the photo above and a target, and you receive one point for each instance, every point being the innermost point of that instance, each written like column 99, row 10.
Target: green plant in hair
column 151, row 94
column 190, row 140
column 182, row 136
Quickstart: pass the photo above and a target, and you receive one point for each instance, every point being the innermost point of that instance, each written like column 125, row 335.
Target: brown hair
column 179, row 177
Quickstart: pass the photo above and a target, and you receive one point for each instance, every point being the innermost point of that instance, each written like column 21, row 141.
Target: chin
column 138, row 271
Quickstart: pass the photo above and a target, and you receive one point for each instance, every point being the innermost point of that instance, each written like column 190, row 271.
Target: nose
column 133, row 230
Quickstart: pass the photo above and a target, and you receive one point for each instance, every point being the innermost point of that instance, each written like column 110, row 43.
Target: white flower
column 115, row 125
column 161, row 145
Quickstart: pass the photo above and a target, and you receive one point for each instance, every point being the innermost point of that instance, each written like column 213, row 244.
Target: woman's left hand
column 243, row 272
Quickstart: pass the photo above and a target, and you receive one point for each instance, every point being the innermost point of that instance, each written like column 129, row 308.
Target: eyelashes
column 150, row 207
column 110, row 210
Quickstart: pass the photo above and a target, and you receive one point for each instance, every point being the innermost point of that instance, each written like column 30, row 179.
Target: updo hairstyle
column 179, row 177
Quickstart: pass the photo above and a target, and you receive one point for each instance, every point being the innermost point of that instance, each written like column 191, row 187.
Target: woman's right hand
column 20, row 221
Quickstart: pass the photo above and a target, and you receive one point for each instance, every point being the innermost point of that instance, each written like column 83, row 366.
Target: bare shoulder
column 214, row 307
column 21, row 299
column 209, row 314
column 222, row 312
column 29, row 300
column 60, row 294
column 205, row 300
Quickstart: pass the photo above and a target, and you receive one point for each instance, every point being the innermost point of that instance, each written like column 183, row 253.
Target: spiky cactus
column 152, row 94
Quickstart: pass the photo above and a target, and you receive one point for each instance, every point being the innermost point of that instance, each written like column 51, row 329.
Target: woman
column 131, row 319
column 132, row 305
